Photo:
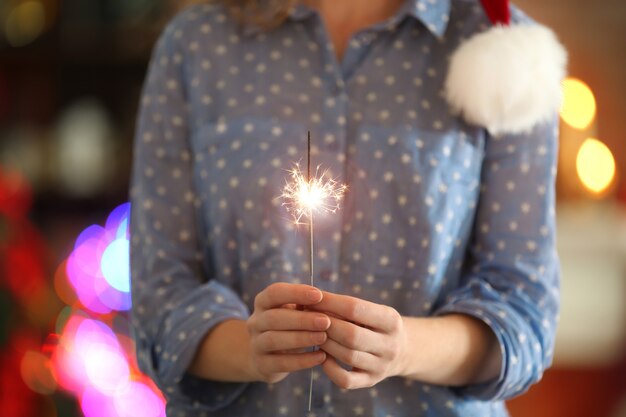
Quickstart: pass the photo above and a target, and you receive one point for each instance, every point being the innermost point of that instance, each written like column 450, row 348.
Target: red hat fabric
column 498, row 11
column 507, row 78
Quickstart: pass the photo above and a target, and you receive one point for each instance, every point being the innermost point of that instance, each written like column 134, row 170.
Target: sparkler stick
column 308, row 180
column 305, row 196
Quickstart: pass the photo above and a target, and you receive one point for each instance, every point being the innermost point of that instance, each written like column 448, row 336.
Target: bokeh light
column 62, row 287
column 97, row 404
column 115, row 264
column 25, row 22
column 579, row 105
column 105, row 365
column 138, row 399
column 98, row 269
column 37, row 372
column 83, row 271
column 595, row 166
column 70, row 371
column 85, row 155
column 91, row 361
column 91, row 355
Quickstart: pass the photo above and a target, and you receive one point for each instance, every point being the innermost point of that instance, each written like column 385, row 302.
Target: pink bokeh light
column 105, row 365
column 138, row 399
column 91, row 360
column 97, row 404
column 98, row 268
column 91, row 363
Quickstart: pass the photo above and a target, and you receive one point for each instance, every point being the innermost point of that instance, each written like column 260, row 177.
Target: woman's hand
column 368, row 337
column 453, row 349
column 279, row 331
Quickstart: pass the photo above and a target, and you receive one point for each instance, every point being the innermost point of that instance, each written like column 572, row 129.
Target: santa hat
column 508, row 78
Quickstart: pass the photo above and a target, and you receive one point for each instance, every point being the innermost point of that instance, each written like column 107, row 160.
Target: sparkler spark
column 303, row 198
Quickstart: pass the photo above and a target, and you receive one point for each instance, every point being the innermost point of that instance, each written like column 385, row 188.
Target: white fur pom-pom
column 507, row 79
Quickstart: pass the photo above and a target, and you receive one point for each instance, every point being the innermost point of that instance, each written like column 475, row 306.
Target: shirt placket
column 335, row 138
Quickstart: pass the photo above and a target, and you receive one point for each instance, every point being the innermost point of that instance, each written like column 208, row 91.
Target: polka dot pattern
column 439, row 217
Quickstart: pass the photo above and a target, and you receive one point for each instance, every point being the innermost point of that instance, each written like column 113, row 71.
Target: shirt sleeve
column 512, row 275
column 175, row 301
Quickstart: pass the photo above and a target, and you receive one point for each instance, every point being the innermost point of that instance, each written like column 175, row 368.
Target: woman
column 438, row 279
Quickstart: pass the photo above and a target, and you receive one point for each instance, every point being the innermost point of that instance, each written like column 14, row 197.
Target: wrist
column 406, row 351
column 408, row 363
column 454, row 349
column 245, row 354
column 224, row 354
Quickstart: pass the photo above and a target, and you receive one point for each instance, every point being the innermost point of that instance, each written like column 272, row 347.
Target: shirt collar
column 299, row 12
column 434, row 14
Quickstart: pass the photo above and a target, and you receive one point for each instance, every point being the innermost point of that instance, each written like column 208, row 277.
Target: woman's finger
column 346, row 379
column 287, row 319
column 356, row 337
column 281, row 293
column 272, row 341
column 366, row 313
column 286, row 362
column 354, row 358
column 301, row 350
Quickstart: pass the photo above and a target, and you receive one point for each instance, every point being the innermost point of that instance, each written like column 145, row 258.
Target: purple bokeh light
column 98, row 268
column 91, row 361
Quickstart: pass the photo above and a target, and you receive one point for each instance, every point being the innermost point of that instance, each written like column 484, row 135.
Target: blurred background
column 70, row 77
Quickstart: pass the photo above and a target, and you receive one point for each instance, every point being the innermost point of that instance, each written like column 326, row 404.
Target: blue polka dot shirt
column 440, row 217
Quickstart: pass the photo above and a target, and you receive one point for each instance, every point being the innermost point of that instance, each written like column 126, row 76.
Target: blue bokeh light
column 115, row 264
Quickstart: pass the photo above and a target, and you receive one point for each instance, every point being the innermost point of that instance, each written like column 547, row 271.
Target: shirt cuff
column 517, row 373
column 184, row 330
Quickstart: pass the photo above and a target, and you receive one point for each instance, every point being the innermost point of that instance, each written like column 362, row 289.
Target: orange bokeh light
column 595, row 166
column 579, row 105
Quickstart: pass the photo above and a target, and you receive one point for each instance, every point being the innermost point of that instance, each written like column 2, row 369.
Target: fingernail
column 321, row 322
column 313, row 295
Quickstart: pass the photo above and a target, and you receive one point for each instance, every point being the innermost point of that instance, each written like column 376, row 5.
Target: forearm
column 224, row 354
column 450, row 350
column 270, row 344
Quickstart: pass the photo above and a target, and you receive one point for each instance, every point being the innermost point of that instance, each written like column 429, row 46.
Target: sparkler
column 304, row 196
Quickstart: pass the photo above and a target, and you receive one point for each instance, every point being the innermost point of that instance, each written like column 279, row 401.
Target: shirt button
column 338, row 87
